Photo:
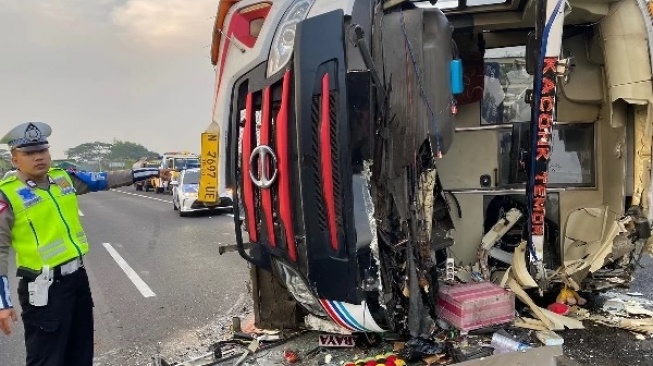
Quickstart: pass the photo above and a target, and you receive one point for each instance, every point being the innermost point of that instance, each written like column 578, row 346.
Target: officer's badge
column 66, row 187
column 32, row 133
column 28, row 196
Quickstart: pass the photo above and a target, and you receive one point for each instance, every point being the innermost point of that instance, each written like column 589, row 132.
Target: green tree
column 89, row 151
column 125, row 150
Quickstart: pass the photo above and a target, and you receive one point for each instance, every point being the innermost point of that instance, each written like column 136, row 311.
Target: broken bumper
column 191, row 204
column 350, row 317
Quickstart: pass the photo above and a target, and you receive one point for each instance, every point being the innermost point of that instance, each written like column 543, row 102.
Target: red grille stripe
column 282, row 134
column 266, row 194
column 327, row 163
column 248, row 190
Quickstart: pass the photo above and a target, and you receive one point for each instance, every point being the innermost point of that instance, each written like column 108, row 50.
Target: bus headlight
column 299, row 289
column 284, row 37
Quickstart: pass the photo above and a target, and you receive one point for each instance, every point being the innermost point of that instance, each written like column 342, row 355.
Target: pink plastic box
column 475, row 305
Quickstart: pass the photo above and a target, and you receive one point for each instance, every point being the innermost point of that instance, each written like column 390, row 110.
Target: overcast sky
column 135, row 70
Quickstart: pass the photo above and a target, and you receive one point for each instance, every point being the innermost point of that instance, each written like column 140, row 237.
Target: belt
column 56, row 272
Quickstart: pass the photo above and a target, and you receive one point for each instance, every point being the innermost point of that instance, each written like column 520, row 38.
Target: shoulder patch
column 3, row 206
column 8, row 180
column 66, row 187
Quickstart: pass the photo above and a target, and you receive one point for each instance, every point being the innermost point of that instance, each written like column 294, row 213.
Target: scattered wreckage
column 419, row 148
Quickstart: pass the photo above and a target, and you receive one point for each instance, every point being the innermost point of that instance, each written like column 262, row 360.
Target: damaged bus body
column 369, row 142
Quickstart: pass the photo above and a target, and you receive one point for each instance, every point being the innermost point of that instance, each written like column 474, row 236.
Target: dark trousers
column 60, row 333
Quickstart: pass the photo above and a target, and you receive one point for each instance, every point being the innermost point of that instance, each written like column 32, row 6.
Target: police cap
column 28, row 136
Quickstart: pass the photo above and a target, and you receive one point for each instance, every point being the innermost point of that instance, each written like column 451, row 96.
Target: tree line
column 95, row 154
column 115, row 151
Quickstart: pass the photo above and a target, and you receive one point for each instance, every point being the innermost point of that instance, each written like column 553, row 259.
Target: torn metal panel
column 519, row 269
column 627, row 57
column 646, row 9
column 500, row 228
column 642, row 115
column 621, row 247
column 369, row 208
column 599, row 259
column 399, row 191
column 503, row 225
column 529, row 323
column 418, row 317
column 584, row 229
column 537, row 311
column 644, row 326
column 501, row 255
column 426, row 201
column 411, row 54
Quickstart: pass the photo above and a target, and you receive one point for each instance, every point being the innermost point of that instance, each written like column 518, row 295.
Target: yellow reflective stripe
column 45, row 248
column 82, row 237
column 53, row 253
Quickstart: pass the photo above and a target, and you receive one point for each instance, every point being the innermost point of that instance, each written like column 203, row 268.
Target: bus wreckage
column 375, row 146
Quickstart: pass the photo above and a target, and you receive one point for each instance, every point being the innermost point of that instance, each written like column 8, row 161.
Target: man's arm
column 7, row 312
column 86, row 182
column 6, row 223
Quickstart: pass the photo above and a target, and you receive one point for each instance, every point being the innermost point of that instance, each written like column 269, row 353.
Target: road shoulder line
column 141, row 286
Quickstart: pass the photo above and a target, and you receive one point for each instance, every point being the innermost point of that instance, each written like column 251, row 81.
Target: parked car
column 184, row 195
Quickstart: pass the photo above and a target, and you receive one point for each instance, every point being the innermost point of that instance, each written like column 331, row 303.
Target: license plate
column 209, row 168
column 337, row 340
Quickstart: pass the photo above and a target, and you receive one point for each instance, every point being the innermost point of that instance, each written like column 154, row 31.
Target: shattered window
column 506, row 82
column 572, row 160
column 572, row 155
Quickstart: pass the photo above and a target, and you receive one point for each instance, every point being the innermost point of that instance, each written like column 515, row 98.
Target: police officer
column 39, row 218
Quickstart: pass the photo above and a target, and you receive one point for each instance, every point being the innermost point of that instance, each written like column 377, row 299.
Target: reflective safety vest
column 46, row 229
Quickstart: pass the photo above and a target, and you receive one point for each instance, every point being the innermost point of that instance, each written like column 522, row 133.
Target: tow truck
column 177, row 161
column 369, row 143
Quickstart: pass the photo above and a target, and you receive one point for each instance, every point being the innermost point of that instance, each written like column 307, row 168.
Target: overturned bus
column 369, row 144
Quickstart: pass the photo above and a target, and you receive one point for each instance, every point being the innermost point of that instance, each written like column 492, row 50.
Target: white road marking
column 142, row 196
column 145, row 290
column 80, row 212
column 229, row 214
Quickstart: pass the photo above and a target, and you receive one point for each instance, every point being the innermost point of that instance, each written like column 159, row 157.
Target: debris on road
column 479, row 323
column 627, row 311
column 531, row 332
column 549, row 338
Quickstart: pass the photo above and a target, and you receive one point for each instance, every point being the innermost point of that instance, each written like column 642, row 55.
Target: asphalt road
column 602, row 346
column 174, row 287
column 177, row 291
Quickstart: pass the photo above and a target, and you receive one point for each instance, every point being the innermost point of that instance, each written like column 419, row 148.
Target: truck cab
column 177, row 161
